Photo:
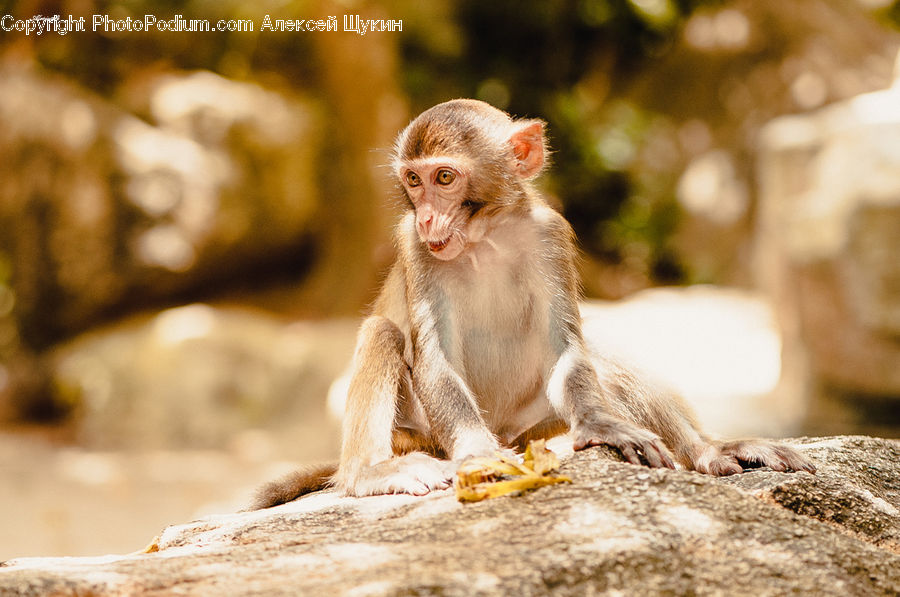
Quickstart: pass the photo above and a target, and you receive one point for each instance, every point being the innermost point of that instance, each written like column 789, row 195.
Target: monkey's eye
column 445, row 176
column 412, row 179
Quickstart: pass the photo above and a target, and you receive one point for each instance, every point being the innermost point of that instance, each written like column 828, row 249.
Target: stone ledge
column 618, row 527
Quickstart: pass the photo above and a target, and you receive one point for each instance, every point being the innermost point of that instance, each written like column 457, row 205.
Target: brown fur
column 293, row 485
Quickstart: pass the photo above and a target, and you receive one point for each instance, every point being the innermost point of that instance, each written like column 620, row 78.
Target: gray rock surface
column 617, row 529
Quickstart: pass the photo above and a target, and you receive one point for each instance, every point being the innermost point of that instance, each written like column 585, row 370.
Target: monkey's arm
column 573, row 389
column 453, row 414
column 578, row 396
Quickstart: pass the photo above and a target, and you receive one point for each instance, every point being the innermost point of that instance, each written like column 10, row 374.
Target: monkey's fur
column 475, row 341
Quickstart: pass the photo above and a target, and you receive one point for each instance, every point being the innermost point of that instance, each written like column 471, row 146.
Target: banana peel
column 482, row 478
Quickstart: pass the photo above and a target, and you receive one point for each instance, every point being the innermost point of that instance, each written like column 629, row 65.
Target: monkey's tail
column 300, row 482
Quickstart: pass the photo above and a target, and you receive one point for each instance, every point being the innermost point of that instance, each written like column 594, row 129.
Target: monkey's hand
column 414, row 473
column 633, row 442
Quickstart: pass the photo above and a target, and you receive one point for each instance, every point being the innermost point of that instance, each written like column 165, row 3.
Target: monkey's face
column 438, row 190
column 461, row 164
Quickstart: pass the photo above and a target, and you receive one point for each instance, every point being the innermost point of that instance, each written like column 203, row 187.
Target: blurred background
column 192, row 225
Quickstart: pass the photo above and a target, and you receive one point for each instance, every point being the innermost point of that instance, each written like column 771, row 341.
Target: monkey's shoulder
column 553, row 226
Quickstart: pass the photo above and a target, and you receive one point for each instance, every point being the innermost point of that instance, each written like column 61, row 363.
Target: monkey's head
column 460, row 163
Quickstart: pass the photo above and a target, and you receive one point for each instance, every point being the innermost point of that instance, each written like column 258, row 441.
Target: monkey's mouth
column 438, row 246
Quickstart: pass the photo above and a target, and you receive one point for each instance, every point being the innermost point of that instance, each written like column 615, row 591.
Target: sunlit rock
column 617, row 529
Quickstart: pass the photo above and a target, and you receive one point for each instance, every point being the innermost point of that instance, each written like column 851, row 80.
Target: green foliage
column 8, row 331
column 891, row 13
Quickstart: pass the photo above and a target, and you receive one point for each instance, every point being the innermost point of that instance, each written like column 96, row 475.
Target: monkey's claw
column 636, row 445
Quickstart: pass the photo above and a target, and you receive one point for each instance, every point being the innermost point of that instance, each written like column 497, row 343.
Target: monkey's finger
column 657, row 457
column 779, row 466
column 654, row 459
column 794, row 460
column 588, row 442
column 807, row 466
column 630, row 454
column 413, row 489
column 723, row 466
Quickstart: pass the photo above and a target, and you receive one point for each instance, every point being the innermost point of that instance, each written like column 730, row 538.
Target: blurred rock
column 735, row 67
column 233, row 171
column 198, row 376
column 101, row 211
column 828, row 253
column 618, row 529
column 99, row 207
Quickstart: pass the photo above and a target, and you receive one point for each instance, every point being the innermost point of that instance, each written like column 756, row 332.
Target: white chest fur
column 498, row 312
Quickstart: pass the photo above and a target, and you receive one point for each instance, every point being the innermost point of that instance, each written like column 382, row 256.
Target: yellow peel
column 539, row 459
column 482, row 478
column 492, row 489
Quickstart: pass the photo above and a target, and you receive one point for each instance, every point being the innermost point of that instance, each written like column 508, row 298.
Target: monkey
column 474, row 344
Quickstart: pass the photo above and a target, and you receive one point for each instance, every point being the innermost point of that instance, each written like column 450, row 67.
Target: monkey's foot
column 755, row 453
column 414, row 473
column 711, row 461
column 729, row 458
column 638, row 446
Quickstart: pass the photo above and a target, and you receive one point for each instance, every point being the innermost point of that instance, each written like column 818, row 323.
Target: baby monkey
column 475, row 343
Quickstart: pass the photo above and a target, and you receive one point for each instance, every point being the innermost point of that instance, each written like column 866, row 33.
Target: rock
column 104, row 208
column 616, row 529
column 195, row 376
column 826, row 251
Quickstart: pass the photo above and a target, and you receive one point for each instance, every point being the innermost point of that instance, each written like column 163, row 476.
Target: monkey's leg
column 368, row 465
column 666, row 414
column 578, row 396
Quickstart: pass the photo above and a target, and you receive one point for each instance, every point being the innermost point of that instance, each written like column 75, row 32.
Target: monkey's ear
column 528, row 148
